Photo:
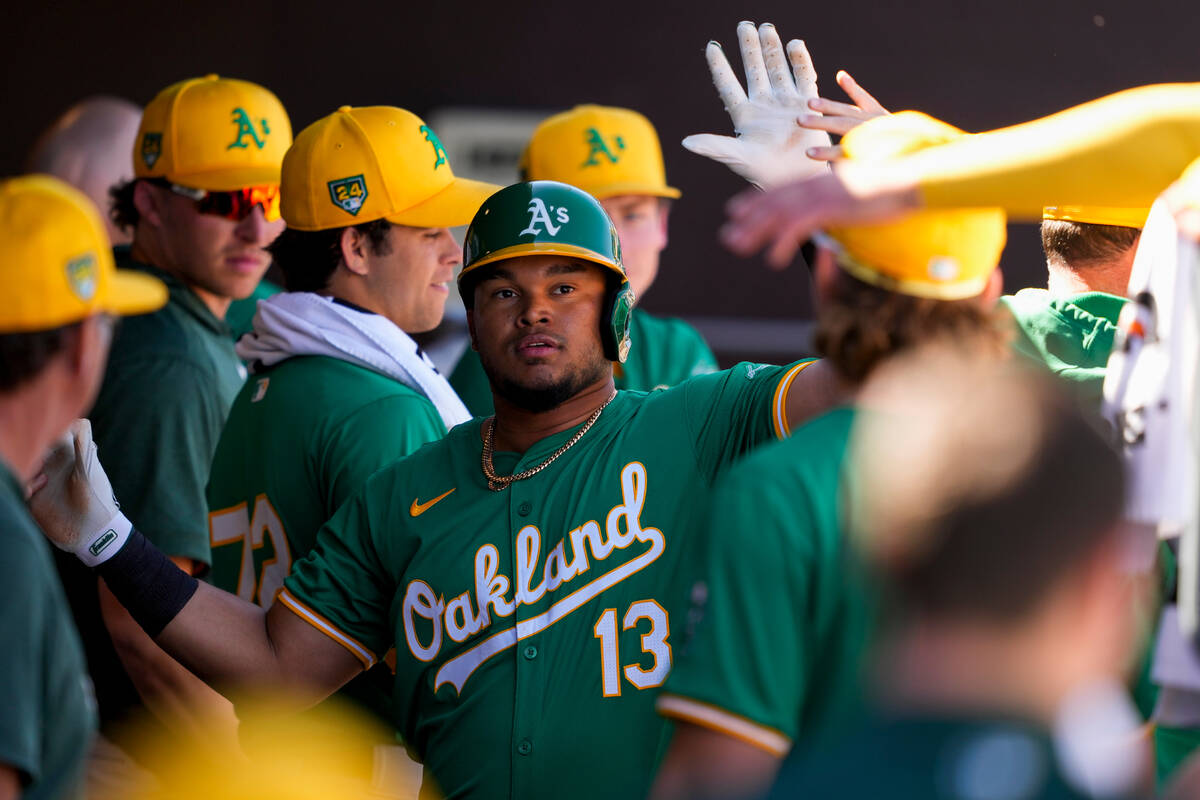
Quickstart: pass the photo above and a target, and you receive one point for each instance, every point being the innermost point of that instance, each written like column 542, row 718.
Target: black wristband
column 149, row 585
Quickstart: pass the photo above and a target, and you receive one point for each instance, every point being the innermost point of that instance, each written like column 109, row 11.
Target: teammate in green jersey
column 614, row 155
column 338, row 387
column 524, row 566
column 61, row 290
column 1069, row 327
column 760, row 671
column 999, row 551
column 202, row 207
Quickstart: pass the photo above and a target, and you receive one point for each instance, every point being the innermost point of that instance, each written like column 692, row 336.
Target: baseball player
column 779, row 622
column 523, row 566
column 61, row 290
column 203, row 206
column 1070, row 326
column 1000, row 551
column 338, row 387
column 614, row 155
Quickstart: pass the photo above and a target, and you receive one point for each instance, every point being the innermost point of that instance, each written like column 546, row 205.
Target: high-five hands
column 770, row 148
column 73, row 501
column 840, row 118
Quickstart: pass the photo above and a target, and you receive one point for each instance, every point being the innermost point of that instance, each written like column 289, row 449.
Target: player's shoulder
column 337, row 386
column 438, row 459
column 818, row 444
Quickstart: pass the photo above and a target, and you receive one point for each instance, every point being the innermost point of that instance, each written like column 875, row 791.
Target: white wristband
column 100, row 547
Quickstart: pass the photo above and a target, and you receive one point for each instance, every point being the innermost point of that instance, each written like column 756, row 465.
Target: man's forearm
column 223, row 639
column 184, row 703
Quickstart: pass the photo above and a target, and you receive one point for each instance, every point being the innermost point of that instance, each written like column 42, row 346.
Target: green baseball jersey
column 534, row 625
column 301, row 438
column 1071, row 336
column 931, row 758
column 172, row 376
column 779, row 617
column 664, row 352
column 240, row 316
column 48, row 714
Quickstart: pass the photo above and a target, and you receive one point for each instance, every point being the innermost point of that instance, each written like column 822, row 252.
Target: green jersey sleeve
column 731, row 412
column 157, row 451
column 346, row 585
column 372, row 437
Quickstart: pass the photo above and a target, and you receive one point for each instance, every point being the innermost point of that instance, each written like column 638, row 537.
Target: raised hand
column 73, row 501
column 840, row 118
column 769, row 148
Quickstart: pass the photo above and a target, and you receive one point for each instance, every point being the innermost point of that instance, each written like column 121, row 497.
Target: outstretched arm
column 1120, row 150
column 223, row 639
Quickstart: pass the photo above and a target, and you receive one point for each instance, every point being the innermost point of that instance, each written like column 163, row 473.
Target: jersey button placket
column 527, row 655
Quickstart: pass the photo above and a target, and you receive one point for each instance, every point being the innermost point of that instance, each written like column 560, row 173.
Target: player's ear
column 354, row 246
column 148, row 202
column 995, row 286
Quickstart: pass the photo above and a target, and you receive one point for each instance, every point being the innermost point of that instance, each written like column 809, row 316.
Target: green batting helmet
column 550, row 218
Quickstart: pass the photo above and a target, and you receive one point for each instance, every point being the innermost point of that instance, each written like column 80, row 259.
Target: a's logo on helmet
column 438, row 151
column 349, row 194
column 598, row 147
column 539, row 214
column 151, row 148
column 81, row 275
column 245, row 127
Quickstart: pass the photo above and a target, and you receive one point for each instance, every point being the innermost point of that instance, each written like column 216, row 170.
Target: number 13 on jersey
column 654, row 643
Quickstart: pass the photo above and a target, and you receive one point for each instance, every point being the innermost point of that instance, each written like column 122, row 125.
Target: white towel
column 305, row 324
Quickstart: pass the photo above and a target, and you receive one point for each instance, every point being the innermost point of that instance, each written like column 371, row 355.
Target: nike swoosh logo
column 417, row 509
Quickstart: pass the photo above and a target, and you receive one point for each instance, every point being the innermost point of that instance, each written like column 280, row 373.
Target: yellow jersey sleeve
column 1119, row 150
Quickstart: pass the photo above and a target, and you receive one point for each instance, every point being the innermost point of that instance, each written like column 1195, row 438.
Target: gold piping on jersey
column 722, row 721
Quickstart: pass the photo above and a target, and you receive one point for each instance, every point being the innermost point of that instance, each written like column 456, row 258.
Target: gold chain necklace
column 498, row 483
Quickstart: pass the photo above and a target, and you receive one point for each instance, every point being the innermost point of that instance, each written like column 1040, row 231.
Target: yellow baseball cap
column 1099, row 215
column 213, row 133
column 56, row 265
column 945, row 255
column 376, row 162
column 603, row 150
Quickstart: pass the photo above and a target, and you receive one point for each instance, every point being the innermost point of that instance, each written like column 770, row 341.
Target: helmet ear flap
column 614, row 327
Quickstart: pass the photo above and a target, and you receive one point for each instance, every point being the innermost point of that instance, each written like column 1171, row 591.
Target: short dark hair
column 24, row 355
column 308, row 259
column 860, row 325
column 1084, row 243
column 122, row 209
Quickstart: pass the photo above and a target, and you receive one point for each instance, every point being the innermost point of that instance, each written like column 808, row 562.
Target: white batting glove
column 769, row 148
column 73, row 500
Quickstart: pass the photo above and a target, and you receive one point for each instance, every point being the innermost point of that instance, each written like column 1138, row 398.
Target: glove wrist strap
column 94, row 550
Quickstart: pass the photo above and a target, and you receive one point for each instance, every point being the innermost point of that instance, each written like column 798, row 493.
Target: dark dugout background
column 977, row 65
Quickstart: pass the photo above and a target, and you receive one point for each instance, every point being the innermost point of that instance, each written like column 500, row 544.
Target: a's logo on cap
column 539, row 214
column 245, row 127
column 598, row 147
column 151, row 148
column 943, row 268
column 438, row 151
column 81, row 275
column 349, row 194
